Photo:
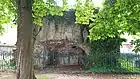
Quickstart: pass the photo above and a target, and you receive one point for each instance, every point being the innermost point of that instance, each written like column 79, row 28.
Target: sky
column 97, row 3
column 10, row 35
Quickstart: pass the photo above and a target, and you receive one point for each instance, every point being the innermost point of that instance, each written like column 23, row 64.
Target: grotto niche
column 62, row 53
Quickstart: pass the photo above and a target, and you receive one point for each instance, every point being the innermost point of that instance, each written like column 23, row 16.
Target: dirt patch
column 74, row 76
column 91, row 76
column 56, row 74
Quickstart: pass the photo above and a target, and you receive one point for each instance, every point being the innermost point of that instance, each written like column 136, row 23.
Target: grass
column 125, row 68
column 42, row 77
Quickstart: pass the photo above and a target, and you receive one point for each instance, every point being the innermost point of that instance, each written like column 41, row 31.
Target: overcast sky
column 97, row 3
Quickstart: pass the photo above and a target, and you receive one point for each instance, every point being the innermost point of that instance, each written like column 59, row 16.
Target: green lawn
column 42, row 77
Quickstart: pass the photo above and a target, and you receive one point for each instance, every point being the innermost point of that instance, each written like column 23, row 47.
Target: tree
column 114, row 19
column 25, row 22
column 28, row 16
column 84, row 11
column 117, row 17
column 40, row 9
column 6, row 11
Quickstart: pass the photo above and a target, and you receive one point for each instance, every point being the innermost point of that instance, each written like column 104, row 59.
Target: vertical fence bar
column 6, row 58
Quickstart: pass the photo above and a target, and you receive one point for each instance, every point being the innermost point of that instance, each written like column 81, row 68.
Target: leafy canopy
column 8, row 10
column 84, row 11
column 50, row 7
column 117, row 17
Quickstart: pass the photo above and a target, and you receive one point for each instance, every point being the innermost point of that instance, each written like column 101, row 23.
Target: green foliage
column 107, row 69
column 42, row 9
column 39, row 11
column 1, row 29
column 104, row 23
column 104, row 52
column 6, row 66
column 6, row 12
column 68, row 17
column 65, row 5
column 8, row 9
column 128, row 14
column 127, row 64
column 116, row 17
column 125, row 68
column 137, row 45
column 42, row 77
column 84, row 11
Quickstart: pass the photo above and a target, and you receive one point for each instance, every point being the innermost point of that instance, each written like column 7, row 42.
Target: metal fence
column 128, row 61
column 6, row 57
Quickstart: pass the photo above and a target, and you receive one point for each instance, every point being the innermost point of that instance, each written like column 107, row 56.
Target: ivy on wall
column 104, row 52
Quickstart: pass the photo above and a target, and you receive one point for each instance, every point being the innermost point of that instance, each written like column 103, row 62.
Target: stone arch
column 68, row 49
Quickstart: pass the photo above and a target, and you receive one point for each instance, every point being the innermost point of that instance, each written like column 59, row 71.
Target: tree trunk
column 26, row 43
column 17, row 51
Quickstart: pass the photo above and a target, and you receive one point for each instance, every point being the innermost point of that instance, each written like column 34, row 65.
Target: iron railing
column 128, row 61
column 6, row 57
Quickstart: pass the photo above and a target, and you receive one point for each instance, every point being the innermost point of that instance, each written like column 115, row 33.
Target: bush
column 104, row 52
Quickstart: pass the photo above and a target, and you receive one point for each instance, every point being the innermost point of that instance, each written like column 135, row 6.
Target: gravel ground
column 90, row 76
column 60, row 74
column 75, row 76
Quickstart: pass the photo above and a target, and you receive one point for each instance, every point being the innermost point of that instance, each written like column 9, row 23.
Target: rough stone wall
column 62, row 27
